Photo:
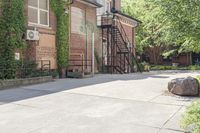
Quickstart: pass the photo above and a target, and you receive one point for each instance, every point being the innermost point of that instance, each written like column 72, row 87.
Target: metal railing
column 126, row 41
column 24, row 69
column 123, row 33
column 79, row 62
column 44, row 64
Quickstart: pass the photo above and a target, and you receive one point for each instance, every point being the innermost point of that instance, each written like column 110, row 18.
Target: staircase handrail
column 126, row 39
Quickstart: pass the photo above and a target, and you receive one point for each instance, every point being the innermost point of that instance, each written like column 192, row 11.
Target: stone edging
column 4, row 84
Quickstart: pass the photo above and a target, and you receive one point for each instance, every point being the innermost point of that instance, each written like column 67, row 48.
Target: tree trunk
column 63, row 73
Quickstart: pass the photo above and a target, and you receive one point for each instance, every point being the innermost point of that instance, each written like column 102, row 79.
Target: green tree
column 184, row 19
column 153, row 32
column 172, row 25
column 12, row 25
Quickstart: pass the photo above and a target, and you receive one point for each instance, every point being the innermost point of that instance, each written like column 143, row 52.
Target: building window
column 38, row 12
column 108, row 7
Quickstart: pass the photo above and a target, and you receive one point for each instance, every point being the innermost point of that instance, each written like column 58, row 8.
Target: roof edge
column 97, row 5
column 128, row 16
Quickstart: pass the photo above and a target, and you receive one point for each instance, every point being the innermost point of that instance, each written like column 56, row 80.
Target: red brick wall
column 118, row 4
column 78, row 41
column 45, row 48
column 130, row 32
column 183, row 59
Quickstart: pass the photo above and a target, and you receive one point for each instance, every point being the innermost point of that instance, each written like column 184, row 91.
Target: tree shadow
column 32, row 91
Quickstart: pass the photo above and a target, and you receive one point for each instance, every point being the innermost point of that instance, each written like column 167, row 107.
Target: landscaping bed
column 147, row 67
column 162, row 67
column 191, row 118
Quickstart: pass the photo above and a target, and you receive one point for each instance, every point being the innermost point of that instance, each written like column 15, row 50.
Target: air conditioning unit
column 32, row 35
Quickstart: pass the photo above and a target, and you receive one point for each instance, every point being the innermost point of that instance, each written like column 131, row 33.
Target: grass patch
column 191, row 118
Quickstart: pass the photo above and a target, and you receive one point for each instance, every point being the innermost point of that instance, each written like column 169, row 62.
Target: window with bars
column 38, row 12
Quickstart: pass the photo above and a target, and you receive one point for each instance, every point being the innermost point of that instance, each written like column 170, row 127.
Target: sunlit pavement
column 134, row 103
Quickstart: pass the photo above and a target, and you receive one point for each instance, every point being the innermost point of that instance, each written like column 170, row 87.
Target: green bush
column 27, row 69
column 163, row 67
column 191, row 118
column 12, row 25
column 54, row 73
column 144, row 66
column 6, row 71
column 160, row 67
column 194, row 67
column 198, row 78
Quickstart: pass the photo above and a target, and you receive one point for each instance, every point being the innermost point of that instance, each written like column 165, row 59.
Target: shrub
column 54, row 74
column 160, row 67
column 163, row 67
column 12, row 25
column 191, row 118
column 27, row 68
column 144, row 66
column 198, row 78
column 194, row 67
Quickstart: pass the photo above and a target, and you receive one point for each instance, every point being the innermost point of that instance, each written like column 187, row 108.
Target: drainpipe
column 71, row 2
column 113, row 6
column 93, row 54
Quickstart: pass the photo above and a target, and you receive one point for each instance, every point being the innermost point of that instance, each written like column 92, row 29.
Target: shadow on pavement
column 26, row 92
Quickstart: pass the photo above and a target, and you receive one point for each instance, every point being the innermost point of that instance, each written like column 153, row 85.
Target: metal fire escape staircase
column 120, row 57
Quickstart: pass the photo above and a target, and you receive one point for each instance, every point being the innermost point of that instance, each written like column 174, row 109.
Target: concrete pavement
column 134, row 103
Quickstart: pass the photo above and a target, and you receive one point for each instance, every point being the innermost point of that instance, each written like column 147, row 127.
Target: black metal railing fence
column 26, row 69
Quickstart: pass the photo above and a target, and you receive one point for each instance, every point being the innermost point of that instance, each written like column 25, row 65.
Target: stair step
column 122, row 52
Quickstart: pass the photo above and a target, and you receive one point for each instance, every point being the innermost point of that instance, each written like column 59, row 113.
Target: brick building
column 42, row 19
column 118, row 37
column 113, row 33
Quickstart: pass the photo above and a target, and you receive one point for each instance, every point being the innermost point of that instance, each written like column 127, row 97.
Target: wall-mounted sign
column 17, row 56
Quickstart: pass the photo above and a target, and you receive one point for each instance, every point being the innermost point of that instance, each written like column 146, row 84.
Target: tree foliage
column 152, row 33
column 184, row 19
column 172, row 24
column 12, row 25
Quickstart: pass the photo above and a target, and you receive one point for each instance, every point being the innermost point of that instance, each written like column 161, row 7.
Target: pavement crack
column 154, row 98
column 170, row 118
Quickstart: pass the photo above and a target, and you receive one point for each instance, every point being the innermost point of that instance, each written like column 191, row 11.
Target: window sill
column 39, row 26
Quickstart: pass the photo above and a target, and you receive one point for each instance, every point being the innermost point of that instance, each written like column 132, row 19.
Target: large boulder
column 184, row 86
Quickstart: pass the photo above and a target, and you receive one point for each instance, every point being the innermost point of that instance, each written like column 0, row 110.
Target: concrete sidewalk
column 135, row 103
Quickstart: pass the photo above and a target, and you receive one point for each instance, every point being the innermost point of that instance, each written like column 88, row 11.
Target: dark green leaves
column 62, row 32
column 12, row 25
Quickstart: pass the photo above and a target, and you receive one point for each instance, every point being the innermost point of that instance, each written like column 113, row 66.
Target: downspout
column 71, row 2
column 70, row 28
column 113, row 9
column 114, row 6
column 93, row 39
column 86, row 40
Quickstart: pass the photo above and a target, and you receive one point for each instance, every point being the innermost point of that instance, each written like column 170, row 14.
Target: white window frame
column 38, row 10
